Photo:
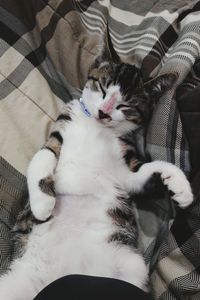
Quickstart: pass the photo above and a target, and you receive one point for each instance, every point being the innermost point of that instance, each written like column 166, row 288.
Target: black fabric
column 80, row 287
column 189, row 106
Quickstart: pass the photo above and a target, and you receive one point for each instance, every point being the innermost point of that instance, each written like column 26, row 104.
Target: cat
column 79, row 185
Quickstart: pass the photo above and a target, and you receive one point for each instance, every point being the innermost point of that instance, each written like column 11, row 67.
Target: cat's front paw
column 42, row 205
column 178, row 184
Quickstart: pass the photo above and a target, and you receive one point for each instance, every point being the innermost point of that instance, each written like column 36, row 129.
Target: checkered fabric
column 46, row 48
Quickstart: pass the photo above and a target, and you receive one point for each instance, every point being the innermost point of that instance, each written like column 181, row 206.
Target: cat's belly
column 77, row 221
column 75, row 240
column 82, row 214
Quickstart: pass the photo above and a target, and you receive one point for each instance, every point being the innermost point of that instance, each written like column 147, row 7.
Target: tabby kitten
column 79, row 184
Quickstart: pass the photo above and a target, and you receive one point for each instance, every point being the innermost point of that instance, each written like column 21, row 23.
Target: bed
column 46, row 48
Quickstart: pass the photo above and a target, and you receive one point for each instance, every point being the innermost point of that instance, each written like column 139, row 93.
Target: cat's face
column 116, row 96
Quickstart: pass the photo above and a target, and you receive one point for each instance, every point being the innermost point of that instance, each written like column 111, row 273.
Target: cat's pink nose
column 109, row 104
column 102, row 115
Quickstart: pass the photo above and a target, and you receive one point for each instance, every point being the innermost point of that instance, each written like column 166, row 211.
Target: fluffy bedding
column 46, row 48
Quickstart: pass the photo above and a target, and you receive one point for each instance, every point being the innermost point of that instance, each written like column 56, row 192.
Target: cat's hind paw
column 42, row 198
column 42, row 205
column 179, row 186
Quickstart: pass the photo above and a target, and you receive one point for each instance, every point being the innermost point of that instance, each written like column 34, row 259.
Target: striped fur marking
column 131, row 161
column 54, row 143
column 50, row 149
column 126, row 227
column 57, row 135
column 64, row 117
column 22, row 229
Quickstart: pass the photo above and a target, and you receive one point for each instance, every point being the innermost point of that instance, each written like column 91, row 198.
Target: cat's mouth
column 103, row 116
column 104, row 119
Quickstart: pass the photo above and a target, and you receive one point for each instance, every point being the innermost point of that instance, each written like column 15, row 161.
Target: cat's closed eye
column 121, row 106
column 102, row 90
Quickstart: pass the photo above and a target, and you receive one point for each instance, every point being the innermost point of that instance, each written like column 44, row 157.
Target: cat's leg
column 19, row 284
column 174, row 179
column 132, row 268
column 40, row 170
column 40, row 175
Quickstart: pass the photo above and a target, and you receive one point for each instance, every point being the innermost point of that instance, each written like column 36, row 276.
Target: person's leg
column 80, row 287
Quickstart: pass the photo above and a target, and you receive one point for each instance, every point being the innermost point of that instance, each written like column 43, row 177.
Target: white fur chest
column 90, row 157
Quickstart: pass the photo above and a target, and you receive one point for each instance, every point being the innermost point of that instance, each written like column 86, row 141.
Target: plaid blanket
column 45, row 53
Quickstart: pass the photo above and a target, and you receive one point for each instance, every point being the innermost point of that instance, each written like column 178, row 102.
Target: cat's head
column 116, row 95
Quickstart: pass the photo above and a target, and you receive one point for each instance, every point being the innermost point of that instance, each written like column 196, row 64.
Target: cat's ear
column 156, row 87
column 107, row 52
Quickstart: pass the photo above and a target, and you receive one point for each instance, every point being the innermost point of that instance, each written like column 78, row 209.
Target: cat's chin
column 111, row 124
column 105, row 123
column 120, row 127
